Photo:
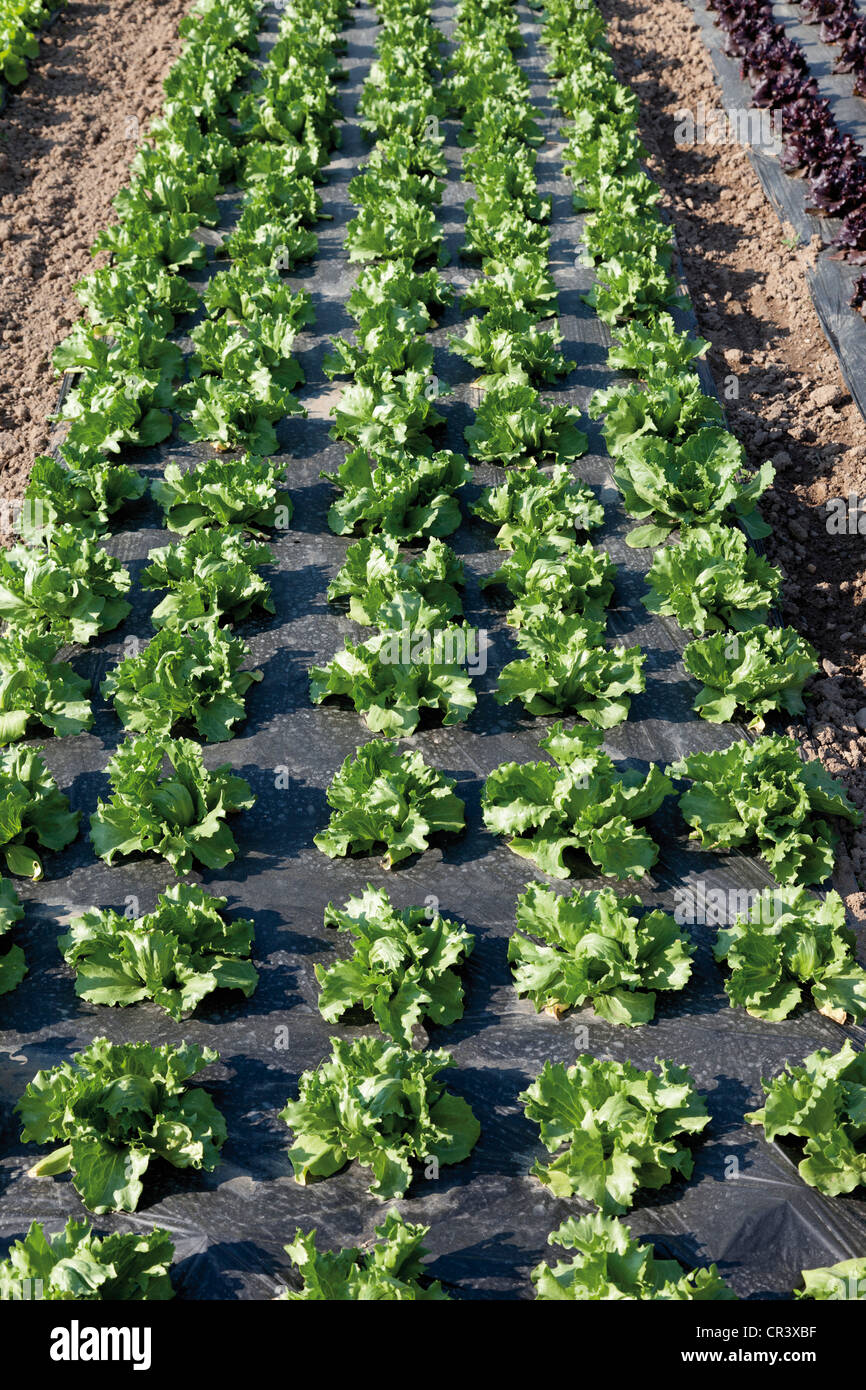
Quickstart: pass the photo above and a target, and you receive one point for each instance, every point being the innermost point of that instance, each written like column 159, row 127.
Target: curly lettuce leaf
column 382, row 1106
column 614, row 1128
column 403, row 968
column 590, row 947
column 383, row 797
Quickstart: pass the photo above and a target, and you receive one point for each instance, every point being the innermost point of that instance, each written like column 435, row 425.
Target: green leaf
column 403, row 965
column 613, row 1128
column 114, row 1107
column 392, row 1268
column 712, row 579
column 244, row 492
column 381, row 1105
column 764, row 794
column 842, row 1281
column 514, row 426
column 608, row 1263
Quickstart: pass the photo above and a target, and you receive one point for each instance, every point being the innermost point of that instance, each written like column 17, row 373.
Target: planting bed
column 750, row 288
column 745, row 1207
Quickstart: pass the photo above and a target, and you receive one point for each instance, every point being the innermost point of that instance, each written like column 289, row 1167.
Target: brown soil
column 66, row 142
column 753, row 304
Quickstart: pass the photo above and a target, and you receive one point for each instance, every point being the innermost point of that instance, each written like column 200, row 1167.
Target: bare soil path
column 66, row 142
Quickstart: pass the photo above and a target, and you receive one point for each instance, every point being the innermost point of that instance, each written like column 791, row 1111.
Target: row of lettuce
column 814, row 146
column 267, row 131
column 395, row 486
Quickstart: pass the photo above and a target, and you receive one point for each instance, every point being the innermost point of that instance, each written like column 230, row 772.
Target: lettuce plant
column 403, row 968
column 179, row 814
column 400, row 228
column 399, row 672
column 608, row 1263
column 668, row 485
column 634, row 284
column 241, row 294
column 113, row 296
column 655, row 351
column 175, row 955
column 713, row 579
column 389, row 1269
column 513, row 425
column 763, row 794
column 536, row 502
column 388, row 342
column 83, row 497
column 496, row 226
column 576, row 802
column 668, row 408
column 19, row 38
column 209, row 574
column 614, row 1128
column 36, row 689
column 819, row 1102
column 189, row 676
column 508, row 344
column 375, row 573
column 166, row 238
column 115, row 1107
column 33, row 809
column 549, row 576
column 243, row 492
column 398, row 284
column 834, row 1283
column 523, row 281
column 789, row 946
column 232, row 414
column 382, row 1106
column 590, row 947
column 13, row 964
column 759, row 671
column 398, row 493
column 394, row 412
column 69, row 588
column 383, row 797
column 568, row 669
